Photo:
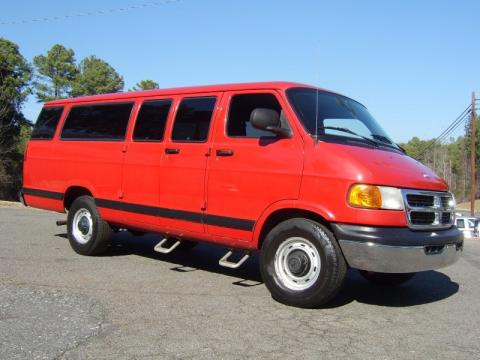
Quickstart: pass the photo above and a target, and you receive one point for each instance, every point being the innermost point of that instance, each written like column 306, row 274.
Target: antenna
column 316, row 116
column 317, row 71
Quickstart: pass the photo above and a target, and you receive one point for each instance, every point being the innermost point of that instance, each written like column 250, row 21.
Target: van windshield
column 337, row 118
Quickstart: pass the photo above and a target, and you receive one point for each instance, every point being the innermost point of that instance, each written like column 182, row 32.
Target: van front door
column 249, row 169
column 182, row 183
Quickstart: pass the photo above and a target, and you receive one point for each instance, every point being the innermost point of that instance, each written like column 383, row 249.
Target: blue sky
column 412, row 63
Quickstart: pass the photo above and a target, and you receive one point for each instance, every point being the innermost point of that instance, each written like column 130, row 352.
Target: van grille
column 420, row 200
column 428, row 209
column 422, row 218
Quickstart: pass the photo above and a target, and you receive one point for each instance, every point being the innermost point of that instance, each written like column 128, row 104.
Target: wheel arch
column 73, row 192
column 287, row 210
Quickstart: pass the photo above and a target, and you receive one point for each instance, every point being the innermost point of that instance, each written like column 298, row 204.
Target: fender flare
column 316, row 208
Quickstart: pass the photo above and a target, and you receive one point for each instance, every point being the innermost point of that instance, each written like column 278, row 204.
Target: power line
column 89, row 13
column 460, row 122
column 453, row 126
column 450, row 131
column 465, row 119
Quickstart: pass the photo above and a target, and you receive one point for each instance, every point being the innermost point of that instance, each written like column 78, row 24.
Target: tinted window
column 241, row 107
column 97, row 122
column 331, row 116
column 193, row 119
column 151, row 120
column 47, row 123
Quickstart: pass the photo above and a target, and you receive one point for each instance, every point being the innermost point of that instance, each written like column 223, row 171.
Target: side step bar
column 166, row 250
column 224, row 261
column 230, row 264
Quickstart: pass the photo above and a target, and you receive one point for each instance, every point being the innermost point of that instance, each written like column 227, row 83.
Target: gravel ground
column 136, row 304
column 41, row 324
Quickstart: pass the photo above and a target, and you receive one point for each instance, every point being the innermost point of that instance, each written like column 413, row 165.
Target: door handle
column 172, row 151
column 224, row 152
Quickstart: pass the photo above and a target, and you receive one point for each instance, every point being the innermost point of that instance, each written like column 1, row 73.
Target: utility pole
column 473, row 157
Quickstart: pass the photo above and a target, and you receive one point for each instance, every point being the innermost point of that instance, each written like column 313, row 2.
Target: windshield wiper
column 387, row 141
column 348, row 131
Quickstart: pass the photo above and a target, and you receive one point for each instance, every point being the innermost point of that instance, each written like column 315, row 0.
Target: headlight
column 375, row 197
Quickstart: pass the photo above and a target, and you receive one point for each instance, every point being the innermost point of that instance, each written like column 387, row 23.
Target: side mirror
column 269, row 120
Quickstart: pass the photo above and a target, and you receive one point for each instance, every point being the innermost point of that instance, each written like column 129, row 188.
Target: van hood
column 379, row 167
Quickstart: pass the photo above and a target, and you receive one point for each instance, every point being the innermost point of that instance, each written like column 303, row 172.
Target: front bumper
column 398, row 250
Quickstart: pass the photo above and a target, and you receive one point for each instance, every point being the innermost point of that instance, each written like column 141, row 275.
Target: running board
column 164, row 250
column 232, row 265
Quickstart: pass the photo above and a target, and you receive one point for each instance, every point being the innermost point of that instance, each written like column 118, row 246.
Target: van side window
column 151, row 120
column 47, row 122
column 192, row 121
column 97, row 122
column 241, row 106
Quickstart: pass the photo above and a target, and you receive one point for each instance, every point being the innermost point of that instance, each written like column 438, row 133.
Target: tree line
column 450, row 160
column 53, row 75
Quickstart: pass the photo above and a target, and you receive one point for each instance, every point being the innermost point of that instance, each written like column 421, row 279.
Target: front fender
column 290, row 204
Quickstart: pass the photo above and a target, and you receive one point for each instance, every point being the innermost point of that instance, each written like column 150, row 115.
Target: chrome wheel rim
column 82, row 226
column 297, row 263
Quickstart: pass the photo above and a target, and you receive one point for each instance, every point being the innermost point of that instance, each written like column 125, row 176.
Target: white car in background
column 468, row 225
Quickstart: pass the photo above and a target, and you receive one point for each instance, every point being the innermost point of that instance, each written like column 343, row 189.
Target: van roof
column 281, row 85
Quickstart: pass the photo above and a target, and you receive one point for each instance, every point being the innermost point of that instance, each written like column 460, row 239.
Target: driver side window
column 242, row 105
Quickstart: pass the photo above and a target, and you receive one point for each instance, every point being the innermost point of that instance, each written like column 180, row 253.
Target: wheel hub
column 84, row 225
column 298, row 263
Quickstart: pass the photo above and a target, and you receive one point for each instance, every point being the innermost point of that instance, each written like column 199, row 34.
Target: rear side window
column 47, row 122
column 241, row 106
column 97, row 122
column 151, row 120
column 192, row 121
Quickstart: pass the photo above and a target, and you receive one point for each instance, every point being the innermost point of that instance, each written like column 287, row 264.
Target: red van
column 302, row 175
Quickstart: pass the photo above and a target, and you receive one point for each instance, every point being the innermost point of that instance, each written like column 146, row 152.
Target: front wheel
column 302, row 264
column 385, row 279
column 88, row 234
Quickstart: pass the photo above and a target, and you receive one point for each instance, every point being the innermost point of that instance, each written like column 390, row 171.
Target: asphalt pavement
column 134, row 303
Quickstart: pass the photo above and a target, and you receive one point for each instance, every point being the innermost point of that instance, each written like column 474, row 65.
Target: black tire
column 385, row 279
column 323, row 282
column 99, row 238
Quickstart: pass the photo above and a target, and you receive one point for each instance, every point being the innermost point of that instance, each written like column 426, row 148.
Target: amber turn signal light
column 365, row 196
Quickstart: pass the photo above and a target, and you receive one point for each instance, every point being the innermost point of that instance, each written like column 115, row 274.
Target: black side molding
column 43, row 193
column 183, row 215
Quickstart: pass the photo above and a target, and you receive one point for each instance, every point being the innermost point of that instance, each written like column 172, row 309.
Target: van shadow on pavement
column 426, row 287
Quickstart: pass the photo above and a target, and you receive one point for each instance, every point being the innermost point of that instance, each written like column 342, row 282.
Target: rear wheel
column 301, row 263
column 87, row 232
column 385, row 279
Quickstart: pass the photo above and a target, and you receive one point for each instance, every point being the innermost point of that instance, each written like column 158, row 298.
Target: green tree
column 416, row 147
column 15, row 76
column 57, row 72
column 145, row 85
column 96, row 77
